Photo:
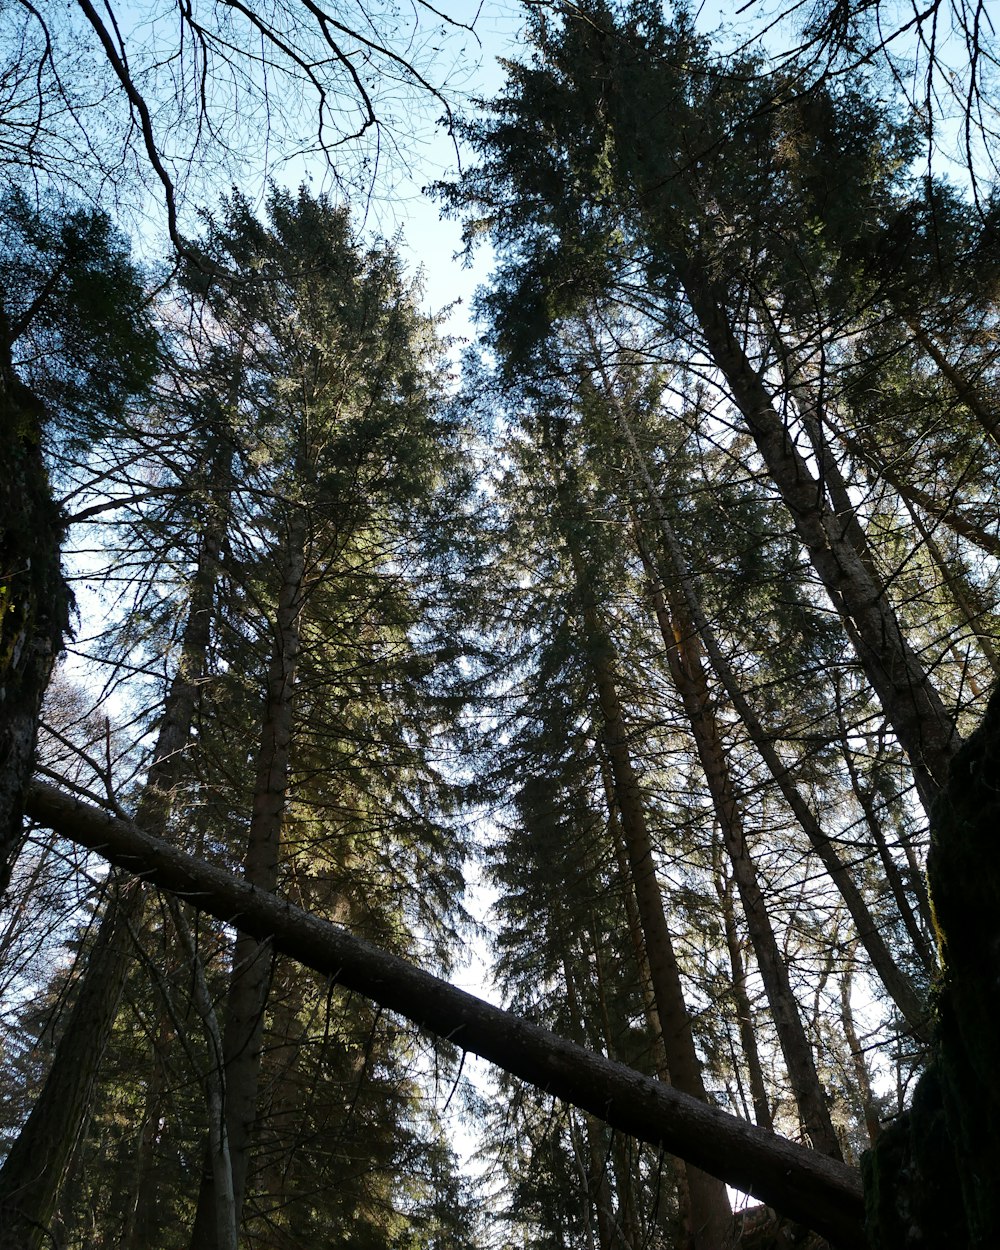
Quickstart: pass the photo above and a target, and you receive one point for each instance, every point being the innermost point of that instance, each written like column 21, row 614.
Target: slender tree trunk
column 252, row 960
column 142, row 1217
column 861, row 1077
column 38, row 1161
column 711, row 1217
column 898, row 985
column 597, row 1184
column 814, row 416
column 902, row 892
column 658, row 1065
column 710, row 1224
column 925, row 729
column 680, row 642
column 885, row 966
column 744, row 1011
column 226, row 1216
column 963, row 594
column 32, row 1175
column 966, row 390
column 630, row 1232
column 960, row 521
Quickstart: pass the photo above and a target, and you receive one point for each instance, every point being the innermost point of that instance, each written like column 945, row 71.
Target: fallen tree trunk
column 821, row 1193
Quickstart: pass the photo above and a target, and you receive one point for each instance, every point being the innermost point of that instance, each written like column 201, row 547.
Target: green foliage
column 304, row 405
column 74, row 314
column 622, row 159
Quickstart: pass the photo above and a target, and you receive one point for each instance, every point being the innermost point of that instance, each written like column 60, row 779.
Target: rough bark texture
column 34, row 598
column 819, row 1192
column 932, row 1178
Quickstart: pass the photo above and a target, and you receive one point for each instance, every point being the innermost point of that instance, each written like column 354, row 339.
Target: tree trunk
column 977, row 403
column 142, row 1216
column 36, row 1165
column 711, row 1217
column 29, row 1193
column 861, row 1077
column 744, row 1011
column 898, row 985
column 596, row 1165
column 932, row 1178
column 816, row 1191
column 904, row 893
column 246, row 1001
column 967, row 599
column 220, row 1158
column 658, row 1058
column 924, row 728
column 680, row 642
column 34, row 598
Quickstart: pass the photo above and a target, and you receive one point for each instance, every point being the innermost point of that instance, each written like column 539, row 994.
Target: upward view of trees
column 671, row 613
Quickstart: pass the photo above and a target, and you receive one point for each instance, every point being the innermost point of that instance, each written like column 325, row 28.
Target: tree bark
column 709, row 1212
column 904, row 893
column 861, row 1078
column 38, row 1161
column 744, row 1011
column 711, row 1218
column 252, row 960
column 658, row 1058
column 924, row 728
column 596, row 1163
column 141, row 1219
column 931, row 1179
column 29, row 1192
column 900, row 988
column 34, row 597
column 680, row 642
column 816, row 1191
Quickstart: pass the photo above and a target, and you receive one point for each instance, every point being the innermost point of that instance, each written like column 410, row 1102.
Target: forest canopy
column 636, row 645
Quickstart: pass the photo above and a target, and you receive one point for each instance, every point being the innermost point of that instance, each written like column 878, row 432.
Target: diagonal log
column 821, row 1193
